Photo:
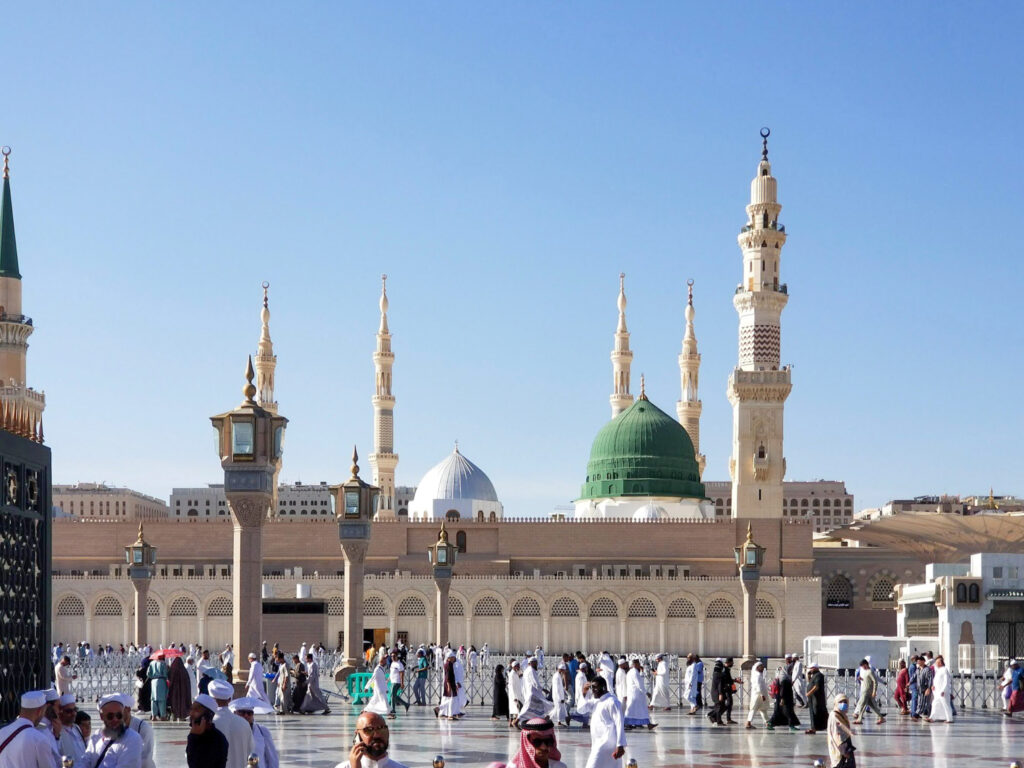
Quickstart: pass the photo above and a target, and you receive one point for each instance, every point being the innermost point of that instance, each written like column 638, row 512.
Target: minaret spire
column 21, row 407
column 384, row 460
column 266, row 360
column 622, row 357
column 689, row 407
column 758, row 387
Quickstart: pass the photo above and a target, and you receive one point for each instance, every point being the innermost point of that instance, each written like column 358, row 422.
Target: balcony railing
column 20, row 319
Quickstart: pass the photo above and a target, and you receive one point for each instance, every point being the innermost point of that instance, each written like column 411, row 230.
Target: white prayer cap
column 719, row 659
column 789, row 655
column 814, row 665
column 207, row 701
column 33, row 699
column 51, row 695
column 252, row 655
column 125, row 700
column 561, row 665
column 250, row 704
column 67, row 698
column 110, row 698
column 515, row 663
column 450, row 653
column 221, row 689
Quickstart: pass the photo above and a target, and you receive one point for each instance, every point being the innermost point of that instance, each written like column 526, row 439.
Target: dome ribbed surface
column 455, row 478
column 642, row 452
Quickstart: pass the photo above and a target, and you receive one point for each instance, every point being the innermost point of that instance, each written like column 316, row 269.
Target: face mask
column 843, row 706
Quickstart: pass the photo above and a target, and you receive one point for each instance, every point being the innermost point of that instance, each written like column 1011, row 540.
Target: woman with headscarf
column 499, row 710
column 784, row 713
column 450, row 691
column 816, row 699
column 538, row 747
column 179, row 690
column 840, row 735
column 145, row 695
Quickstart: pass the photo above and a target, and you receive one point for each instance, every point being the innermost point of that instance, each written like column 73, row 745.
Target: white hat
column 33, row 699
column 250, row 704
column 561, row 665
column 789, row 656
column 110, row 698
column 814, row 665
column 125, row 699
column 207, row 701
column 51, row 695
column 515, row 663
column 252, row 655
column 67, row 698
column 220, row 689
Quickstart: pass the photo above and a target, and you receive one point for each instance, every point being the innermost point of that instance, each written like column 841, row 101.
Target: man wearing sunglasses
column 371, row 744
column 206, row 746
column 537, row 746
column 72, row 743
column 113, row 745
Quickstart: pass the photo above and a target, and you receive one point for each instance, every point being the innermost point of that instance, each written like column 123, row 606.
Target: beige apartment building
column 97, row 500
column 825, row 503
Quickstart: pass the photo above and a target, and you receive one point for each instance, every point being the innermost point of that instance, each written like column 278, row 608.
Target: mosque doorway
column 1005, row 628
column 378, row 637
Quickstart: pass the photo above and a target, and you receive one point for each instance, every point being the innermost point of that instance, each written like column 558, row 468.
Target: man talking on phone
column 371, row 744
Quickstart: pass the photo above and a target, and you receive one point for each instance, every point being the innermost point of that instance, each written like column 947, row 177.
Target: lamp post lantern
column 141, row 561
column 250, row 442
column 442, row 555
column 354, row 505
column 749, row 559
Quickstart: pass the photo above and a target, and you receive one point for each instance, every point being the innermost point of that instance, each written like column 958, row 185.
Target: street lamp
column 749, row 559
column 141, row 560
column 442, row 555
column 250, row 442
column 354, row 504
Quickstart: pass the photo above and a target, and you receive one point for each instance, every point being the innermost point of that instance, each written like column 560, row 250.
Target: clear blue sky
column 502, row 163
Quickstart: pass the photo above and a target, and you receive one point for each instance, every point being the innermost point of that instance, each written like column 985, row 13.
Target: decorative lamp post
column 749, row 559
column 354, row 505
column 250, row 442
column 442, row 556
column 141, row 560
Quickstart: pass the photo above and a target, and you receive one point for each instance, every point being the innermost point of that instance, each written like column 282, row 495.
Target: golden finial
column 750, row 533
column 765, row 133
column 249, row 390
column 140, row 539
column 442, row 536
column 689, row 290
column 992, row 499
column 7, row 168
column 643, row 387
column 355, row 462
column 266, row 285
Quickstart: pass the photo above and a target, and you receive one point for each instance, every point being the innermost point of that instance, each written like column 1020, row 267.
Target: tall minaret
column 622, row 357
column 384, row 459
column 266, row 360
column 758, row 388
column 21, row 407
column 689, row 406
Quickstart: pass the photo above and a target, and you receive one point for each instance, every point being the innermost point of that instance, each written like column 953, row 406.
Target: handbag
column 847, row 760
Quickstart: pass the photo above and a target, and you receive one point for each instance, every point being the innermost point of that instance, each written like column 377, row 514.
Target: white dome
column 649, row 512
column 453, row 484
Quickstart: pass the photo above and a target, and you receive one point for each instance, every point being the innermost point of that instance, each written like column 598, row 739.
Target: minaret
column 384, row 459
column 622, row 357
column 758, row 388
column 266, row 363
column 266, row 360
column 21, row 407
column 689, row 406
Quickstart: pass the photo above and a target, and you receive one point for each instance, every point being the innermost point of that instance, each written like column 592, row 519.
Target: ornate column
column 141, row 559
column 661, row 632
column 441, row 609
column 139, row 618
column 545, row 632
column 749, row 558
column 442, row 555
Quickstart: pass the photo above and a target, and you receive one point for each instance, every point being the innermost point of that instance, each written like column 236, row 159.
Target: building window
column 565, row 606
column 604, row 608
column 460, row 540
column 720, row 608
column 526, row 606
column 642, row 608
column 451, row 515
column 975, row 594
column 839, row 592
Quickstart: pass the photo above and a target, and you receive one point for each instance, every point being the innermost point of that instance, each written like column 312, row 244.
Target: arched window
column 220, row 606
column 604, row 607
column 183, row 606
column 374, row 606
column 763, row 609
column 108, row 606
column 565, row 606
column 455, row 607
column 881, row 590
column 412, row 606
column 975, row 593
column 70, row 606
column 961, row 593
column 452, row 515
column 642, row 608
column 480, row 515
column 839, row 592
column 487, row 606
column 681, row 608
column 720, row 608
column 336, row 605
column 460, row 540
column 526, row 606
column 152, row 607
column 403, row 512
column 492, row 517
column 193, row 513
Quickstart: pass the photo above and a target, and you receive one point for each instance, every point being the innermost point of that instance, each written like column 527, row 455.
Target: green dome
column 642, row 452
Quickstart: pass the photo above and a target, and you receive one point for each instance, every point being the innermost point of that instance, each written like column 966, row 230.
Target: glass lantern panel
column 137, row 553
column 351, row 503
column 751, row 556
column 242, row 438
column 152, row 556
column 374, row 498
column 442, row 556
column 128, row 556
column 278, row 442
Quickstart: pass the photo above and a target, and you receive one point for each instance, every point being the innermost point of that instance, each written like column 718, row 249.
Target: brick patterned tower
column 622, row 357
column 689, row 407
column 383, row 460
column 758, row 387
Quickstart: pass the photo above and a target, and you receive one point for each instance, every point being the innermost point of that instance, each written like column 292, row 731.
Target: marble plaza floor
column 322, row 741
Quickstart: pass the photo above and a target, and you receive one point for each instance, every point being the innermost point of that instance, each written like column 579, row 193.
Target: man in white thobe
column 378, row 702
column 262, row 743
column 799, row 678
column 758, row 696
column 515, row 690
column 636, row 713
column 606, row 669
column 560, row 695
column 620, row 689
column 460, row 680
column 28, row 747
column 485, row 656
column 607, row 733
column 535, row 703
column 141, row 727
column 539, row 653
column 72, row 743
column 228, row 657
column 313, row 673
column 63, row 675
column 255, row 686
column 235, row 729
column 661, row 697
column 112, row 745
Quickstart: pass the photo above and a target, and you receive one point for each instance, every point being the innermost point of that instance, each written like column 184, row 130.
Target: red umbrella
column 167, row 653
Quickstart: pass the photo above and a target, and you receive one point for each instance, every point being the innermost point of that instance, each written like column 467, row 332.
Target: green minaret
column 8, row 243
